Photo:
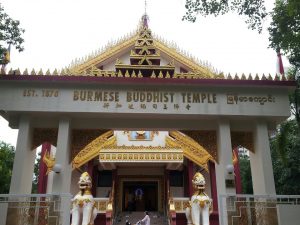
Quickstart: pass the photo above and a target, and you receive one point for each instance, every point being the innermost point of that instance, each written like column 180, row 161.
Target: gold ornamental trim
column 92, row 149
column 102, row 204
column 178, row 146
column 192, row 150
column 142, row 157
column 180, row 204
column 138, row 149
column 194, row 67
column 49, row 161
column 114, row 50
column 130, row 42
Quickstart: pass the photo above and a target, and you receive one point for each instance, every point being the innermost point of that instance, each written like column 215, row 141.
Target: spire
column 145, row 17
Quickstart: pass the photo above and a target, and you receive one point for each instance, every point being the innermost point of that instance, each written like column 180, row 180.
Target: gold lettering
column 105, row 95
column 214, row 98
column 183, row 97
column 129, row 98
column 166, row 98
column 111, row 96
column 172, row 95
column 203, row 97
column 75, row 96
column 82, row 95
column 116, row 96
column 149, row 97
column 189, row 97
column 90, row 94
column 208, row 98
column 98, row 96
column 142, row 97
column 196, row 98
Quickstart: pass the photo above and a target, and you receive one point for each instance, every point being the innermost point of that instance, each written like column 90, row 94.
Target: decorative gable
column 141, row 55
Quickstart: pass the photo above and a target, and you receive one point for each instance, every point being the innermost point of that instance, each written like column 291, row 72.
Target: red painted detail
column 100, row 219
column 181, row 219
column 280, row 64
column 190, row 177
column 43, row 178
column 167, row 184
column 213, row 185
column 146, row 81
column 237, row 173
column 108, row 218
column 95, row 180
column 214, row 218
column 173, row 218
column 90, row 168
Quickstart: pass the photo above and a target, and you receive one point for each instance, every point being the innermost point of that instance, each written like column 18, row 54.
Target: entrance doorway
column 140, row 196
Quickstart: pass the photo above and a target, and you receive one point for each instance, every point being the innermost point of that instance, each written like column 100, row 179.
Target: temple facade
column 142, row 118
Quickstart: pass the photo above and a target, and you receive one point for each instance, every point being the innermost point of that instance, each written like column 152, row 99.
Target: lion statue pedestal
column 198, row 211
column 83, row 204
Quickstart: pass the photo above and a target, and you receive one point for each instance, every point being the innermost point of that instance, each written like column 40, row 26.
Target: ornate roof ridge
column 189, row 75
column 78, row 62
column 173, row 45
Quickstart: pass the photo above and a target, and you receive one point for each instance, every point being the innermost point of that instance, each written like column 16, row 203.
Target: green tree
column 285, row 157
column 10, row 34
column 7, row 153
column 36, row 173
column 246, row 177
column 254, row 11
column 285, row 29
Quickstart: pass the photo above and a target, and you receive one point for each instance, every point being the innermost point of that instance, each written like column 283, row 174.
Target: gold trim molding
column 142, row 157
column 92, row 149
column 191, row 149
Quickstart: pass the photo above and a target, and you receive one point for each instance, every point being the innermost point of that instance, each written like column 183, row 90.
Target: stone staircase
column 156, row 218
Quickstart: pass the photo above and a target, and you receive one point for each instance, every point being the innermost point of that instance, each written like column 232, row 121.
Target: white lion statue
column 198, row 211
column 83, row 204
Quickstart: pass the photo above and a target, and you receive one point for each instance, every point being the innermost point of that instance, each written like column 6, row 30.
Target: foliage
column 254, row 11
column 246, row 177
column 10, row 34
column 286, row 158
column 36, row 173
column 285, row 29
column 7, row 153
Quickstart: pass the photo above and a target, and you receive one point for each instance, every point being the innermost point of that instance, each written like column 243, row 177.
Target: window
column 176, row 178
column 105, row 178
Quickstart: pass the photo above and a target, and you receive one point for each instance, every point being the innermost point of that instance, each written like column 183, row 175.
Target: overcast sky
column 58, row 31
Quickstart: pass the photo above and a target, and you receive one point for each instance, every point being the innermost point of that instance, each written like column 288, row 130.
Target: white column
column 225, row 158
column 261, row 162
column 224, row 155
column 21, row 180
column 62, row 180
column 50, row 175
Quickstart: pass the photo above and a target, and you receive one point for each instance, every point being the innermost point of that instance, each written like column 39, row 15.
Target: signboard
column 202, row 102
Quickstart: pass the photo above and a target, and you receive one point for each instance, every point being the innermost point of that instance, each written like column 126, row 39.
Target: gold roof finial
column 145, row 17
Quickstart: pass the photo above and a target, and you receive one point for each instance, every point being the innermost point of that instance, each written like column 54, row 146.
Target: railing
column 259, row 209
column 101, row 204
column 180, row 204
column 35, row 209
